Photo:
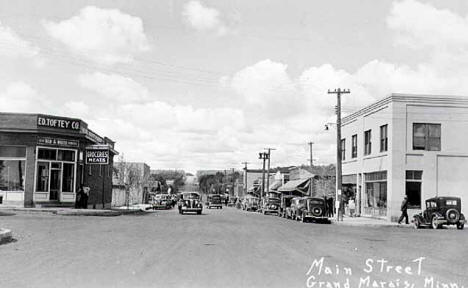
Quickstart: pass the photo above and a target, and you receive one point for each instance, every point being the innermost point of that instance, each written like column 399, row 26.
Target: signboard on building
column 58, row 122
column 97, row 155
column 57, row 142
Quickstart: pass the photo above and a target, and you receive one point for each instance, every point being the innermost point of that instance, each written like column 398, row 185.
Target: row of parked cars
column 288, row 206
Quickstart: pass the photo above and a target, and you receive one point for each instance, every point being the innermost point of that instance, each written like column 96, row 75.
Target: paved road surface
column 221, row 248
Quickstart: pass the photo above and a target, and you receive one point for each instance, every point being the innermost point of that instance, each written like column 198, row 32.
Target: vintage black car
column 214, row 201
column 190, row 202
column 313, row 208
column 441, row 211
column 161, row 201
column 271, row 203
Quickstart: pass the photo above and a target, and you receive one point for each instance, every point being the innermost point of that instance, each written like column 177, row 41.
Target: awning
column 275, row 185
column 295, row 185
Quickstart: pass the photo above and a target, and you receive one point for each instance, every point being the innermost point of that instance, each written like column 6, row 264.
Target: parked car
column 296, row 204
column 441, row 211
column 285, row 205
column 313, row 208
column 214, row 200
column 251, row 203
column 161, row 201
column 190, row 202
column 271, row 203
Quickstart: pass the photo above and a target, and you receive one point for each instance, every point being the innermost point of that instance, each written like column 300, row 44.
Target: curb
column 387, row 225
column 5, row 235
column 85, row 212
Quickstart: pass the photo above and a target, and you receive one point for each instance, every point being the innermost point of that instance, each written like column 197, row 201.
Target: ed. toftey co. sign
column 97, row 155
column 58, row 122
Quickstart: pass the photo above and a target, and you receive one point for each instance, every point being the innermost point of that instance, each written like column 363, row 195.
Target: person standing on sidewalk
column 404, row 210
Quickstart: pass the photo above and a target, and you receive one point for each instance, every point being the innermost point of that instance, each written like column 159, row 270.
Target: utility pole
column 245, row 177
column 263, row 156
column 268, row 173
column 311, row 158
column 339, row 196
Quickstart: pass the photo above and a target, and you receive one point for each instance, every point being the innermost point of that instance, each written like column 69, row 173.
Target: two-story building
column 405, row 144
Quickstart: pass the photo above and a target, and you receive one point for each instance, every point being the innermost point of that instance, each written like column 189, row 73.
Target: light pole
column 245, row 177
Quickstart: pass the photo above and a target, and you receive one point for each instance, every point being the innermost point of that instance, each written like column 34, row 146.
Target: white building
column 405, row 144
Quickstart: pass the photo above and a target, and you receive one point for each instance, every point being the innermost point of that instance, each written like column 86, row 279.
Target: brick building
column 44, row 159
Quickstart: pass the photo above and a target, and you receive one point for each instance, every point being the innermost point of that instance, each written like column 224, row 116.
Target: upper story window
column 354, row 146
column 383, row 138
column 367, row 142
column 343, row 149
column 426, row 136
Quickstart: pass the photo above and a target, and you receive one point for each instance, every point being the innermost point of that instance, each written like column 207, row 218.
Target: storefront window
column 12, row 151
column 42, row 184
column 47, row 154
column 68, row 177
column 66, row 155
column 12, row 175
column 376, row 193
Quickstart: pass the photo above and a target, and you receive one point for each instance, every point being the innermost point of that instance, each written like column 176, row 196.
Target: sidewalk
column 64, row 211
column 369, row 222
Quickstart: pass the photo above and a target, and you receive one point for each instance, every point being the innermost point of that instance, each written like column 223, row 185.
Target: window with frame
column 354, row 146
column 413, row 188
column 383, row 138
column 367, row 142
column 426, row 136
column 12, row 175
column 343, row 149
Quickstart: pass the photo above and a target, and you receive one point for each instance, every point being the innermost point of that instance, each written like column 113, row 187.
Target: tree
column 129, row 176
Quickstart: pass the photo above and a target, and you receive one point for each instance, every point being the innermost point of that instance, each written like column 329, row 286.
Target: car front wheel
column 434, row 223
column 460, row 226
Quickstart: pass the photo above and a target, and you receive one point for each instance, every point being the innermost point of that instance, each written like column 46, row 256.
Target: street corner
column 5, row 236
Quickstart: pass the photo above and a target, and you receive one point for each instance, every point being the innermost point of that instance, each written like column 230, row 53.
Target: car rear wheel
column 434, row 223
column 460, row 226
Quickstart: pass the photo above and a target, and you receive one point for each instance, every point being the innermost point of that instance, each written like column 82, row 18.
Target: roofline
column 406, row 97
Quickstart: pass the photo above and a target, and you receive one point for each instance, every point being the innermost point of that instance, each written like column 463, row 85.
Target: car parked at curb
column 190, row 202
column 314, row 209
column 271, row 203
column 441, row 211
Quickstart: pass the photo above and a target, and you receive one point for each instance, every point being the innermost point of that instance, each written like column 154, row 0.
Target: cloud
column 106, row 36
column 114, row 87
column 21, row 97
column 203, row 18
column 13, row 46
column 419, row 25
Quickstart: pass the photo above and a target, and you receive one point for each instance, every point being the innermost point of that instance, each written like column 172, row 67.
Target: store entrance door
column 55, row 183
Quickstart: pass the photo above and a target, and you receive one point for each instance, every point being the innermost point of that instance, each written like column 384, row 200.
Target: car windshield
column 190, row 196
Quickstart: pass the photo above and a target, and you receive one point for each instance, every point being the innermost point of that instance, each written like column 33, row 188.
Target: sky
column 194, row 85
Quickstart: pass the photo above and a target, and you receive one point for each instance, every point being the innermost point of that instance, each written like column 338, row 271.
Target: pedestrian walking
column 404, row 210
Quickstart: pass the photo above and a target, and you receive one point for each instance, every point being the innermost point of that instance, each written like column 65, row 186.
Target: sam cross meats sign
column 97, row 155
